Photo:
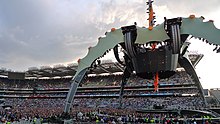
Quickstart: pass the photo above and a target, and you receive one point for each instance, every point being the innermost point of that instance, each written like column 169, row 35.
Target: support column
column 125, row 77
column 72, row 91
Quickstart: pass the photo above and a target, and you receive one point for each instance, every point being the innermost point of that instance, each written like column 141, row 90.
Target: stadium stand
column 46, row 98
column 43, row 99
column 215, row 93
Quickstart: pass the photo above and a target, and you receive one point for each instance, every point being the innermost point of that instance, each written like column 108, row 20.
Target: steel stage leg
column 72, row 91
column 125, row 77
column 185, row 63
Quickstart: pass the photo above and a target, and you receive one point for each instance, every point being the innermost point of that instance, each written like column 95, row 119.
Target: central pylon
column 151, row 18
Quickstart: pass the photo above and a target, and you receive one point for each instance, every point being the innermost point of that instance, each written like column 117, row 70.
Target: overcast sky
column 47, row 32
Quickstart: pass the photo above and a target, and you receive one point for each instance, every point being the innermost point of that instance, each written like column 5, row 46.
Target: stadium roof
column 69, row 70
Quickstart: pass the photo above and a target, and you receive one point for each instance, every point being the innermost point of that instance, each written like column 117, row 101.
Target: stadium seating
column 46, row 97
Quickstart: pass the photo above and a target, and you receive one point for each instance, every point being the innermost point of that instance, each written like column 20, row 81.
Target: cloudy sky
column 47, row 32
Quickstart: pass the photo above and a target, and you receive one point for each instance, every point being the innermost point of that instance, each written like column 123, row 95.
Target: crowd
column 112, row 80
column 144, row 103
column 107, row 108
column 135, row 117
column 115, row 80
column 100, row 115
column 31, row 83
column 142, row 92
column 49, row 107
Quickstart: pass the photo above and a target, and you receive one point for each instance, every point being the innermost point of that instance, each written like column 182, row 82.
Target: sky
column 35, row 33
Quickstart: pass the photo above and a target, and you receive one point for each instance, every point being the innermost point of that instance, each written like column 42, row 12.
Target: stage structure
column 150, row 53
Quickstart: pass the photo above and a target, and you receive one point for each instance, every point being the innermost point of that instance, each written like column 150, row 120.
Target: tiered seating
column 47, row 97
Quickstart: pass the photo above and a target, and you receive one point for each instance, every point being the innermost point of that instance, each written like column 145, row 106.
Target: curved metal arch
column 187, row 65
column 74, row 85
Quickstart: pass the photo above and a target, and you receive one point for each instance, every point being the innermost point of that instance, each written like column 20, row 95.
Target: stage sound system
column 160, row 60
